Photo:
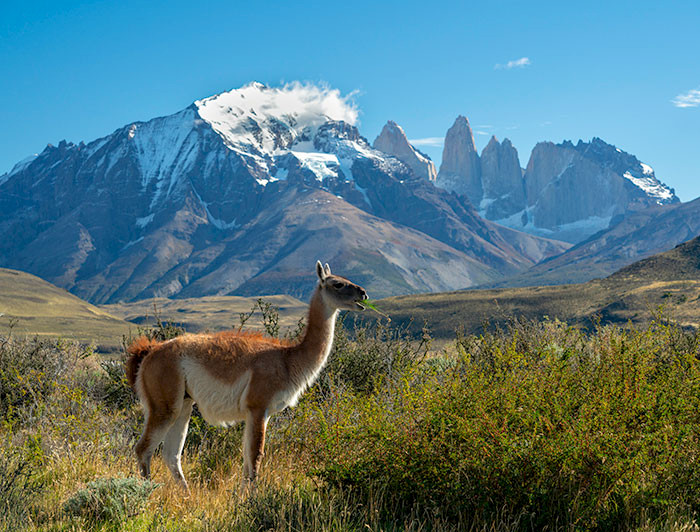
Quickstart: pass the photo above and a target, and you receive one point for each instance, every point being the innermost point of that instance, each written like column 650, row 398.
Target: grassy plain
column 35, row 307
column 211, row 313
column 473, row 311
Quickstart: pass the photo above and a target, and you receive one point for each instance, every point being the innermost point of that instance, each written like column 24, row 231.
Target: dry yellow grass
column 37, row 307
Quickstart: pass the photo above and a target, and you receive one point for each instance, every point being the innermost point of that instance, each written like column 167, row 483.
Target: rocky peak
column 460, row 170
column 392, row 140
column 568, row 191
column 501, row 179
column 547, row 163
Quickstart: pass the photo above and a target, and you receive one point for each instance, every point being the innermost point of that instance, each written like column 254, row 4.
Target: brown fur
column 138, row 349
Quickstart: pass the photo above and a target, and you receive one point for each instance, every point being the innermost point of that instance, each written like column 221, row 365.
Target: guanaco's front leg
column 253, row 443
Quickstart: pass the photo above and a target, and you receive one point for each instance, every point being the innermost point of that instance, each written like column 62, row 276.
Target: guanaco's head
column 337, row 291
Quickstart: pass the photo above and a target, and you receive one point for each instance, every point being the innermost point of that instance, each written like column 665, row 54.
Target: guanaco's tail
column 138, row 349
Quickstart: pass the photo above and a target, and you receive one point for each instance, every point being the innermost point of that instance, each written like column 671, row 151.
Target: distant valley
column 665, row 286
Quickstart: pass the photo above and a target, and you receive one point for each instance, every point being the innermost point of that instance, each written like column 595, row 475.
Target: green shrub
column 115, row 392
column 110, row 499
column 373, row 354
column 538, row 420
column 31, row 370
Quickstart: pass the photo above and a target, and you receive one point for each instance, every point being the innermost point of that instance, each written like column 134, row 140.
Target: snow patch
column 18, row 167
column 363, row 191
column 484, row 204
column 264, row 182
column 646, row 169
column 95, row 145
column 650, row 186
column 220, row 224
column 589, row 225
column 586, row 226
column 129, row 244
column 322, row 165
column 143, row 222
column 216, row 222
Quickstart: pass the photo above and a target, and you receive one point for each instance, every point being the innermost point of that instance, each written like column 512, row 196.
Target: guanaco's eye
column 337, row 284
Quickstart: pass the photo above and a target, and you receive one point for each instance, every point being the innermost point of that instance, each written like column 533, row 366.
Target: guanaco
column 231, row 376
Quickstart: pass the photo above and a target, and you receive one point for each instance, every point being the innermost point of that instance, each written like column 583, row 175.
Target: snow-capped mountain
column 240, row 193
column 567, row 192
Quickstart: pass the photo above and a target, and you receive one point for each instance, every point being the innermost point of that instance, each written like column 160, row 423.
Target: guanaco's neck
column 310, row 354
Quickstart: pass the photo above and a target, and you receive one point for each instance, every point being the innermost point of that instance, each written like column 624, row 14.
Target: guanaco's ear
column 327, row 269
column 320, row 271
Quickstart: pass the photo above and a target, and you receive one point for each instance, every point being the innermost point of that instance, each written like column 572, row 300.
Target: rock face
column 240, row 194
column 574, row 191
column 568, row 192
column 392, row 140
column 460, row 170
column 502, row 180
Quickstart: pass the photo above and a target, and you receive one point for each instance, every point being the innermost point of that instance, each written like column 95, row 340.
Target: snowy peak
column 392, row 140
column 628, row 166
column 269, row 119
column 233, row 194
column 165, row 146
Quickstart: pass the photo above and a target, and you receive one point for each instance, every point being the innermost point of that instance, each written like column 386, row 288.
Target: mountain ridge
column 566, row 192
column 150, row 208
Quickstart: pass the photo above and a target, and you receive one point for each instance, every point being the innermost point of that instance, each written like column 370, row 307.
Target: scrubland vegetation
column 535, row 426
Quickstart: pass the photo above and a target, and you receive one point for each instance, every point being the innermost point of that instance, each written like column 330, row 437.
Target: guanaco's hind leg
column 253, row 443
column 153, row 433
column 175, row 441
column 162, row 392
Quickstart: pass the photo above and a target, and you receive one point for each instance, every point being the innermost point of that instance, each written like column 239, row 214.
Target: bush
column 31, row 370
column 539, row 420
column 373, row 354
column 110, row 499
column 535, row 426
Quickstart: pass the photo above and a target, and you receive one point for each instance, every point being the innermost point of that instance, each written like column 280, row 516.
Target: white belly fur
column 220, row 403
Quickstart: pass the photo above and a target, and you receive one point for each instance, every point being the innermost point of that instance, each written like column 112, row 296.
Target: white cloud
column 428, row 141
column 309, row 103
column 482, row 132
column 515, row 63
column 689, row 99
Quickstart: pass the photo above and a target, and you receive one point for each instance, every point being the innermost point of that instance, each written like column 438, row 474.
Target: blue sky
column 79, row 70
